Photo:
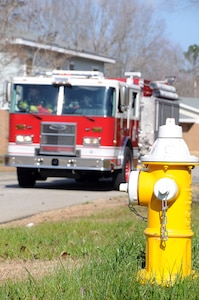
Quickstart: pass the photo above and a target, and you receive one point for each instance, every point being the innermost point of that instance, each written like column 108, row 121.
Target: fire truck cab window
column 88, row 100
column 34, row 98
column 74, row 100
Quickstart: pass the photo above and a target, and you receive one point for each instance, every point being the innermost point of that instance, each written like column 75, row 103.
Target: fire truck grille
column 58, row 138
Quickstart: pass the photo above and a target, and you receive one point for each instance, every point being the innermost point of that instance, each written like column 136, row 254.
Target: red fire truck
column 75, row 124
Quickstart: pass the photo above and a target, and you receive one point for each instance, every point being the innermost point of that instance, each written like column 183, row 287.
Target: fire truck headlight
column 89, row 141
column 26, row 139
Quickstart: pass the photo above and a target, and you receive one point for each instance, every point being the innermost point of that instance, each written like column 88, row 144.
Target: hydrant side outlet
column 133, row 184
column 145, row 187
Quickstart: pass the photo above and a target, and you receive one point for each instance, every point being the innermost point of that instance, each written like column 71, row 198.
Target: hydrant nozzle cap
column 165, row 189
column 123, row 187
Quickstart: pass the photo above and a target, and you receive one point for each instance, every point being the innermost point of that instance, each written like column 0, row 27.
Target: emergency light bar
column 63, row 76
column 81, row 74
column 60, row 79
column 134, row 78
column 133, row 74
column 43, row 73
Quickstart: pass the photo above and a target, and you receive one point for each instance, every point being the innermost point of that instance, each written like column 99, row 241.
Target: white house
column 28, row 56
column 189, row 120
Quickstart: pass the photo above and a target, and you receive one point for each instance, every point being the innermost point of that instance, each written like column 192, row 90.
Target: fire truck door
column 133, row 113
column 122, row 109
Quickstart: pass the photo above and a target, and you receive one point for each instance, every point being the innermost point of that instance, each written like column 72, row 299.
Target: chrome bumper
column 58, row 162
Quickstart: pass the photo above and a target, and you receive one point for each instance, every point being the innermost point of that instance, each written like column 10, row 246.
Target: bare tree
column 192, row 68
column 128, row 31
column 121, row 29
column 8, row 20
column 124, row 30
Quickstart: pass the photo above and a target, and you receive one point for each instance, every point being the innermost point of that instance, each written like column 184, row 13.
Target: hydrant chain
column 164, row 232
column 132, row 208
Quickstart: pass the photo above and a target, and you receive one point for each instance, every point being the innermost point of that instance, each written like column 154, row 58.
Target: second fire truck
column 79, row 124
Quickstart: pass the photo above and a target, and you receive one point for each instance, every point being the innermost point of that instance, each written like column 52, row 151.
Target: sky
column 181, row 19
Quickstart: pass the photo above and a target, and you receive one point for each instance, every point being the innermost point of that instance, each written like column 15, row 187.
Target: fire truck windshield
column 53, row 99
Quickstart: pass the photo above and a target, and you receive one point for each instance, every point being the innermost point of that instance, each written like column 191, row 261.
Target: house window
column 72, row 66
column 29, row 66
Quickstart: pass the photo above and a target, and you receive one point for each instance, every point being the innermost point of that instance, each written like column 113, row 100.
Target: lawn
column 97, row 256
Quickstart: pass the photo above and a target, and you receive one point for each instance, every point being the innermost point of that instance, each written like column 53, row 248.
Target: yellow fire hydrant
column 164, row 186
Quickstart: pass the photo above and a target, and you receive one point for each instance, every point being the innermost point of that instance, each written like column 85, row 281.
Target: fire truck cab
column 75, row 124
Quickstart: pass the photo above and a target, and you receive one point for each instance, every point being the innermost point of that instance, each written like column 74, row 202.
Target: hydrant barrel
column 168, row 234
column 164, row 186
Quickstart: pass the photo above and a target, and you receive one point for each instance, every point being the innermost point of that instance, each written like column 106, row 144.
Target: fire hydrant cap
column 170, row 130
column 165, row 189
column 170, row 146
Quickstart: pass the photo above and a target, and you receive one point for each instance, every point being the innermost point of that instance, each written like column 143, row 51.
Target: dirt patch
column 18, row 269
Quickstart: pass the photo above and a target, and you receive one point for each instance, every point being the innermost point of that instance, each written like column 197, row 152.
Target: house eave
column 187, row 120
column 189, row 108
column 57, row 49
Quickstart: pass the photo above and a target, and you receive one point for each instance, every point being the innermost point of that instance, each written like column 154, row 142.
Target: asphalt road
column 55, row 193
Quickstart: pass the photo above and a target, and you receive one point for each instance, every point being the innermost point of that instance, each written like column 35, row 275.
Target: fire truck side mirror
column 8, row 89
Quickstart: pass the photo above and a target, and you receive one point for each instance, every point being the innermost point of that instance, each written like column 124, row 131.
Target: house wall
column 8, row 71
column 3, row 132
column 191, row 136
column 84, row 64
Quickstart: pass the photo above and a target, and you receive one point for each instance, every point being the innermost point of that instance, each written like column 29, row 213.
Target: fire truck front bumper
column 62, row 163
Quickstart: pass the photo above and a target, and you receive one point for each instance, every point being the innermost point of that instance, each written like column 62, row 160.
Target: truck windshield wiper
column 89, row 118
column 36, row 116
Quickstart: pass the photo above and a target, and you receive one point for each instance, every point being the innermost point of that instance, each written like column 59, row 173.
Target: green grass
column 104, row 251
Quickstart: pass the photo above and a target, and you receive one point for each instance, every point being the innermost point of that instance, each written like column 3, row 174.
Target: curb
column 7, row 169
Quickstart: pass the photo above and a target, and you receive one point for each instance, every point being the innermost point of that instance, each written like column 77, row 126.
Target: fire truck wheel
column 26, row 177
column 123, row 175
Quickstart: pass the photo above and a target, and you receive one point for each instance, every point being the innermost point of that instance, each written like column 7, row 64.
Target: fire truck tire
column 26, row 177
column 123, row 175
